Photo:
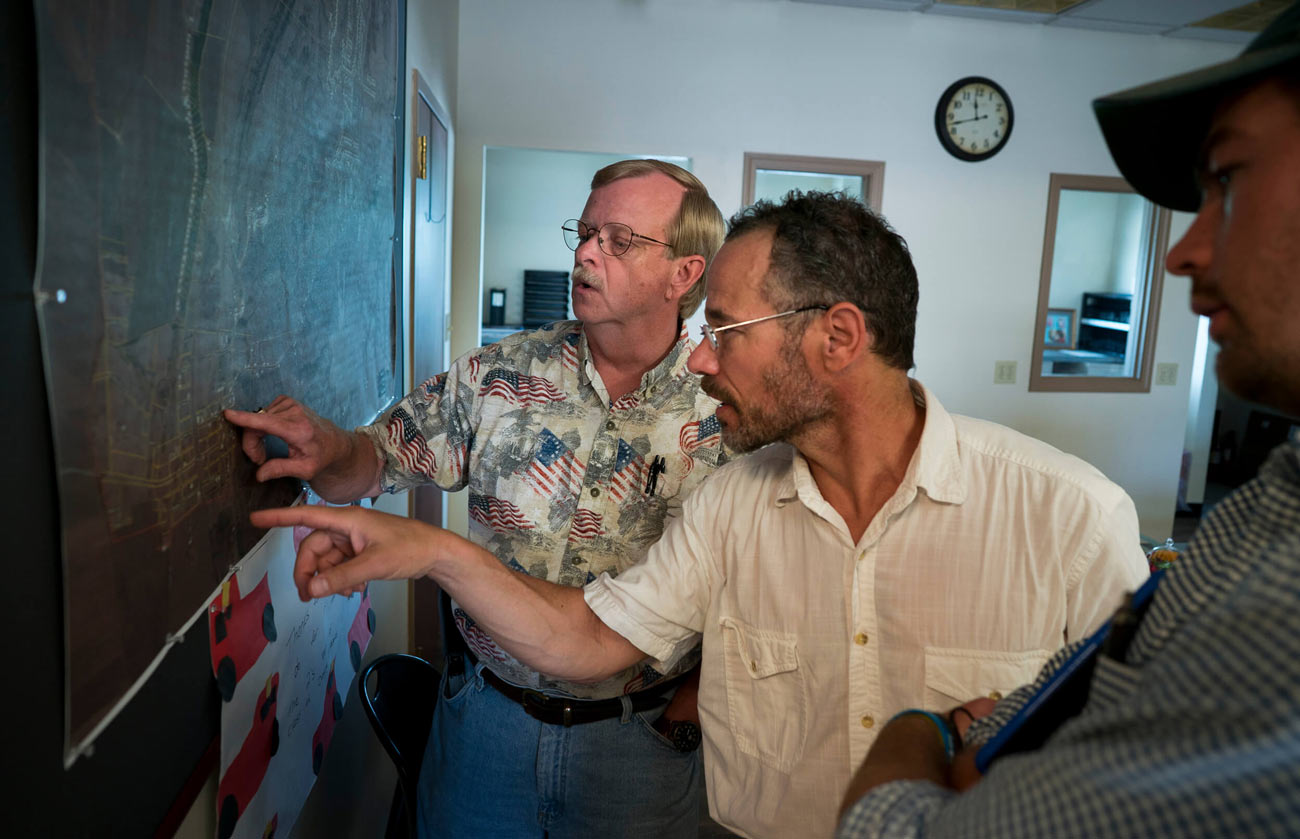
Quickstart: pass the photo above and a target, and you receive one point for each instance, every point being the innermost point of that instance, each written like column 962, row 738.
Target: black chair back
column 398, row 693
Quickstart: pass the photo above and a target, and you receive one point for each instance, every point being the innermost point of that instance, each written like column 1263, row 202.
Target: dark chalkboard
column 142, row 761
column 217, row 227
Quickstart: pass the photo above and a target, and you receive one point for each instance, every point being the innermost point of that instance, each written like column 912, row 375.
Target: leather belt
column 561, row 710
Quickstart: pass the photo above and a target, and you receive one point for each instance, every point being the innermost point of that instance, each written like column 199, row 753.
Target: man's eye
column 620, row 242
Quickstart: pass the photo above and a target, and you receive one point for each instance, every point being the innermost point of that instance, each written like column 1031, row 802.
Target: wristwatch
column 683, row 734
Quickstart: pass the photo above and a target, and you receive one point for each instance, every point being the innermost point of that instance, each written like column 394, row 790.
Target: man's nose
column 589, row 249
column 703, row 361
column 1192, row 253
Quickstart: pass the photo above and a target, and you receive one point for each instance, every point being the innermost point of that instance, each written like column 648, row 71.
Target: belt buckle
column 535, row 703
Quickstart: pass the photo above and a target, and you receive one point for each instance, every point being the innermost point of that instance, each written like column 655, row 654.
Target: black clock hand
column 972, row 119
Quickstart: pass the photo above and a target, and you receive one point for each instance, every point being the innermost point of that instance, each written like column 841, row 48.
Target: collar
column 669, row 368
column 935, row 468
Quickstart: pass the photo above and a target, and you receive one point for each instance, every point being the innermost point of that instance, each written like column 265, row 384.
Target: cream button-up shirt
column 995, row 550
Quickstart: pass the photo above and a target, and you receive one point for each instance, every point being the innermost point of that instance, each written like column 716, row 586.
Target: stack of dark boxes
column 546, row 297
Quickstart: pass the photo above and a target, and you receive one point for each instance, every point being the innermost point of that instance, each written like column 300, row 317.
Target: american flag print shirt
column 564, row 483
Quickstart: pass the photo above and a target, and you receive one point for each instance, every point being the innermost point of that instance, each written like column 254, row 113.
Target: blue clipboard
column 1065, row 694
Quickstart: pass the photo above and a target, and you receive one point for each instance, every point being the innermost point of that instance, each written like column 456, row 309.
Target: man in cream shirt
column 891, row 555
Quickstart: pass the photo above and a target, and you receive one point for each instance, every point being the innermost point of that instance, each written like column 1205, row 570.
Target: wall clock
column 974, row 118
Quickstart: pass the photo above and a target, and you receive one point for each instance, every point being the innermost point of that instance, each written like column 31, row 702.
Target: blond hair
column 697, row 229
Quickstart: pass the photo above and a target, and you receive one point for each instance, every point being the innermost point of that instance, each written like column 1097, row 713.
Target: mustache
column 583, row 274
column 714, row 391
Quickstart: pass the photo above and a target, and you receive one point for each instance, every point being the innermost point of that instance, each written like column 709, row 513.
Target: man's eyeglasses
column 711, row 333
column 613, row 237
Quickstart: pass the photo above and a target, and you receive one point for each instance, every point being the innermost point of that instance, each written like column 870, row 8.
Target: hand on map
column 350, row 546
column 340, row 465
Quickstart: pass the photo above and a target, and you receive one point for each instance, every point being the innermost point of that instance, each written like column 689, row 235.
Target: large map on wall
column 217, row 227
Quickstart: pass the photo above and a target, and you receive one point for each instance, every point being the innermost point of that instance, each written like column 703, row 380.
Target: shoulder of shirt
column 770, row 463
column 981, row 438
column 516, row 343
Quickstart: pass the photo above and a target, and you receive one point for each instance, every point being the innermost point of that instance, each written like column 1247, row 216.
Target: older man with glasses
column 577, row 442
column 884, row 554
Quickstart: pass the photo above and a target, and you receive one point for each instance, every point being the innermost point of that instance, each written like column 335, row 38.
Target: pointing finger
column 263, row 421
column 336, row 519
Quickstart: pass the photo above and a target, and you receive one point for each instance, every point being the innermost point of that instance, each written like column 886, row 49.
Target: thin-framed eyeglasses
column 711, row 332
column 613, row 237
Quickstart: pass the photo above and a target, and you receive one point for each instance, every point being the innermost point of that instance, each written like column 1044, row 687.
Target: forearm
column 354, row 473
column 546, row 626
column 908, row 749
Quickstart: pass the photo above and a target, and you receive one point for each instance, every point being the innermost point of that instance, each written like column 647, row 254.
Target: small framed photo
column 1059, row 331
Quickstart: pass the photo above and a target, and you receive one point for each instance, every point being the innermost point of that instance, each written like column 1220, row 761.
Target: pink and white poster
column 284, row 669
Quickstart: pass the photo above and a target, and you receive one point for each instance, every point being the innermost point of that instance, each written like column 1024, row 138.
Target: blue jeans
column 492, row 770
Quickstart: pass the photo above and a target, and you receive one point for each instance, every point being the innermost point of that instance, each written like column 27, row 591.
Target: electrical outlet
column 1167, row 373
column 1004, row 372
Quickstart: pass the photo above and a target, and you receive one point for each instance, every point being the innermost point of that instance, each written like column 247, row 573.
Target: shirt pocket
column 954, row 676
column 767, row 701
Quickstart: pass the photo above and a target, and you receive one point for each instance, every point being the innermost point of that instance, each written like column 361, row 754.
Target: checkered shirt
column 1195, row 734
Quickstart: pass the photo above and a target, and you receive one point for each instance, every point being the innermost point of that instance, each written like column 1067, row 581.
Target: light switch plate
column 1167, row 373
column 1004, row 372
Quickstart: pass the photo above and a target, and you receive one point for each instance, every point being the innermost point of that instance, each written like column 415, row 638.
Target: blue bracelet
column 944, row 734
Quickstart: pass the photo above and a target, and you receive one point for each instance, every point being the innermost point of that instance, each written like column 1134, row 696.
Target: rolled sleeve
column 426, row 437
column 660, row 604
column 618, row 609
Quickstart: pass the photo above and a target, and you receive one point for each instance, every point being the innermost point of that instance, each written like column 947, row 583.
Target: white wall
column 714, row 78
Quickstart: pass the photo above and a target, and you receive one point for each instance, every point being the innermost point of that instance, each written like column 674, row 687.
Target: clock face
column 974, row 118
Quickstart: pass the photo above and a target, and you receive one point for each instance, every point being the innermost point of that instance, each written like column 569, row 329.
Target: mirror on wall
column 771, row 176
column 1099, row 291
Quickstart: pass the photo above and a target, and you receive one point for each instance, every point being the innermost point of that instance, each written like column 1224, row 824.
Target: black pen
column 657, row 466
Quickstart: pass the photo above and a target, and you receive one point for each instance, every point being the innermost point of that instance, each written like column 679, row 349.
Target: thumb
column 343, row 575
column 281, row 467
column 342, row 578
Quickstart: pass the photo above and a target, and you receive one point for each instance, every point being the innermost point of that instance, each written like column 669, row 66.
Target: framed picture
column 1059, row 330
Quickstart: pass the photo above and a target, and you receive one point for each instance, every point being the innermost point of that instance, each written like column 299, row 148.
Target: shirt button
column 753, row 665
column 868, row 721
column 609, row 426
column 595, row 491
column 995, row 695
column 860, row 638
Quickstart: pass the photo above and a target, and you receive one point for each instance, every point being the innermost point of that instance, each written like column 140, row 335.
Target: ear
column 846, row 337
column 687, row 273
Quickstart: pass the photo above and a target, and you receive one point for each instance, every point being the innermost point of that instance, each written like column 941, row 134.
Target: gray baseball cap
column 1155, row 131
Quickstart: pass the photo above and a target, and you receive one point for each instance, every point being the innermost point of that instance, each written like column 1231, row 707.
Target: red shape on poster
column 239, row 628
column 320, row 741
column 363, row 626
column 243, row 777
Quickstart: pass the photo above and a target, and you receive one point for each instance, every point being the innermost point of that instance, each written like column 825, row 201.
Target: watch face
column 974, row 118
column 685, row 735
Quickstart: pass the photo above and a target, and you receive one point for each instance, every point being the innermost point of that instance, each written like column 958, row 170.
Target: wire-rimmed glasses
column 613, row 237
column 711, row 332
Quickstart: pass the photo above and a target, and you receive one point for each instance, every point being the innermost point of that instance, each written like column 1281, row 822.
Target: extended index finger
column 336, row 519
column 263, row 421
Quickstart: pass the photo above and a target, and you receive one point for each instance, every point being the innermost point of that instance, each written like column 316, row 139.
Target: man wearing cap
column 1190, row 719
